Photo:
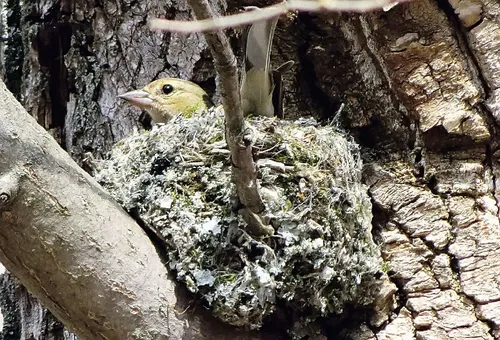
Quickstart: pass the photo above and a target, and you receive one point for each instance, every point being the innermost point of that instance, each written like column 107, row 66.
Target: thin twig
column 339, row 5
column 274, row 165
column 218, row 23
column 245, row 18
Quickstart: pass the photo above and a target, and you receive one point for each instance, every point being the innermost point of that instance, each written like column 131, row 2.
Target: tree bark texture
column 32, row 320
column 420, row 88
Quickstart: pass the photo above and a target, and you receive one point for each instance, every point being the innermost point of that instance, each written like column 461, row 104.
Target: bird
column 165, row 98
column 261, row 88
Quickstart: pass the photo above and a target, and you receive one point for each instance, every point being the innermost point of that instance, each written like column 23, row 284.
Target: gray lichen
column 321, row 256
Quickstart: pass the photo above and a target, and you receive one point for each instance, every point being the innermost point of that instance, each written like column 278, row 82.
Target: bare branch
column 339, row 5
column 239, row 138
column 218, row 23
column 245, row 18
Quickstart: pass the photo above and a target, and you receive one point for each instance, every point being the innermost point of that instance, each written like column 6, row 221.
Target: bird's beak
column 138, row 98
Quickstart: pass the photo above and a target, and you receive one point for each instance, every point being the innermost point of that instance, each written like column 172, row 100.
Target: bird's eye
column 167, row 89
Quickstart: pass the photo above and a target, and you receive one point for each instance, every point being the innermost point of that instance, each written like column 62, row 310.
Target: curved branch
column 218, row 23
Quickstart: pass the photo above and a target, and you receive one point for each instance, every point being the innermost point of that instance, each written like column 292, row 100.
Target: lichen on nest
column 321, row 256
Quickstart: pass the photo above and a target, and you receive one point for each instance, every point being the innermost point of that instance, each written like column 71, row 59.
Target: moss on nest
column 321, row 256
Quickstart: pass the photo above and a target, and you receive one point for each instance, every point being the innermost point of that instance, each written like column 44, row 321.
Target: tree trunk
column 420, row 87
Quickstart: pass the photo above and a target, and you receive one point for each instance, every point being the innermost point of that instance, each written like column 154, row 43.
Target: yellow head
column 168, row 97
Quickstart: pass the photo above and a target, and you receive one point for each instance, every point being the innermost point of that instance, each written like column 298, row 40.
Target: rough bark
column 32, row 321
column 420, row 87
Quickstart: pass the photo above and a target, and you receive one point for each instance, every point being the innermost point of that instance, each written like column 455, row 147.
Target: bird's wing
column 258, row 40
column 257, row 83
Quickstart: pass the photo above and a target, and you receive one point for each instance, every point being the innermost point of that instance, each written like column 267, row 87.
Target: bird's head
column 165, row 98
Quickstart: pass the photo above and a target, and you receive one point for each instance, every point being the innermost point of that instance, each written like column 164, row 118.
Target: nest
column 321, row 257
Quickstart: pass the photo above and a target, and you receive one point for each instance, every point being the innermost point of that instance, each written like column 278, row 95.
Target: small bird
column 261, row 89
column 166, row 98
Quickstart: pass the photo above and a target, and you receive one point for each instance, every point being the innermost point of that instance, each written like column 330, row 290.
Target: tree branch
column 218, row 23
column 237, row 136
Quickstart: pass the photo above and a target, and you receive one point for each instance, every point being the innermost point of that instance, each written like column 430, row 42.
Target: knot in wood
column 248, row 137
column 9, row 186
column 4, row 198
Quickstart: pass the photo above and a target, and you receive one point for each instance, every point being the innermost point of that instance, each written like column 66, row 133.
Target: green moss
column 193, row 110
column 216, row 138
column 385, row 267
column 227, row 278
